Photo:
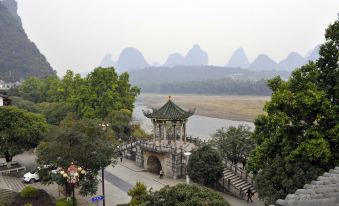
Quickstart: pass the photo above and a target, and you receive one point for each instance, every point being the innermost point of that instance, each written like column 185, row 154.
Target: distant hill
column 174, row 59
column 151, row 75
column 313, row 54
column 19, row 57
column 238, row 59
column 107, row 61
column 130, row 58
column 196, row 57
column 292, row 61
column 263, row 63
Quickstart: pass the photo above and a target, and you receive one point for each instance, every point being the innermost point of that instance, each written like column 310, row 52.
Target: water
column 197, row 126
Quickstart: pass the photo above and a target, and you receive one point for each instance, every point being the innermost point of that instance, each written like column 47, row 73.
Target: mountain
column 263, row 63
column 12, row 7
column 313, row 54
column 107, row 61
column 196, row 57
column 174, row 59
column 19, row 57
column 130, row 58
column 292, row 61
column 238, row 59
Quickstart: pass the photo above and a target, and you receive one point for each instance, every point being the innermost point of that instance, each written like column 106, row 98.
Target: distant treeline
column 226, row 86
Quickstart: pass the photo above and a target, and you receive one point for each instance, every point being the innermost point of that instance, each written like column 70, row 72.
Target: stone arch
column 153, row 164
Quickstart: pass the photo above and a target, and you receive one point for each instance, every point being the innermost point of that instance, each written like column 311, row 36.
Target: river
column 197, row 126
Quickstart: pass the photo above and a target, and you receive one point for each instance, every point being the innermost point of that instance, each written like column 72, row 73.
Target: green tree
column 83, row 142
column 181, row 194
column 205, row 165
column 19, row 131
column 54, row 112
column 297, row 139
column 137, row 193
column 119, row 122
column 234, row 143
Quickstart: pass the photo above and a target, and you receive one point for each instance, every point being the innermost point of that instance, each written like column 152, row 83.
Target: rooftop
column 169, row 111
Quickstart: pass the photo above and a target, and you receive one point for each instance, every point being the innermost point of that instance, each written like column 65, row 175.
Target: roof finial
column 169, row 97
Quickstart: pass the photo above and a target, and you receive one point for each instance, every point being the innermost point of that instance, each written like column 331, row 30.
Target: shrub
column 28, row 204
column 29, row 192
column 64, row 202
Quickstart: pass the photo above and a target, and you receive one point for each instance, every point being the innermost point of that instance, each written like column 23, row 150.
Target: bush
column 64, row 202
column 29, row 192
column 205, row 166
column 28, row 204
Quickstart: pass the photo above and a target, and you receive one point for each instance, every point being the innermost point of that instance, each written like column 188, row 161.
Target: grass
column 242, row 108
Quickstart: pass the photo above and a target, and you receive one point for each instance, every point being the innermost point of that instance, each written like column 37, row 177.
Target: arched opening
column 154, row 165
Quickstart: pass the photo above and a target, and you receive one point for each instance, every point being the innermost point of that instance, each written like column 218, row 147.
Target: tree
column 234, row 143
column 83, row 142
column 102, row 92
column 180, row 194
column 297, row 140
column 54, row 112
column 137, row 193
column 205, row 165
column 19, row 131
column 119, row 122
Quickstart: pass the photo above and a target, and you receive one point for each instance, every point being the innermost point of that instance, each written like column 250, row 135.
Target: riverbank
column 238, row 108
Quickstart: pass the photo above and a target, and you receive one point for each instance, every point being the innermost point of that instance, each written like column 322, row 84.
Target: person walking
column 161, row 174
column 249, row 195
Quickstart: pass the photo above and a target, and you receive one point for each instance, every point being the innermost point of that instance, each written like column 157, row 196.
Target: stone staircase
column 239, row 183
column 6, row 196
column 11, row 183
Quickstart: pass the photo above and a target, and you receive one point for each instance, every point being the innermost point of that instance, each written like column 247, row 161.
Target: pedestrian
column 249, row 195
column 243, row 161
column 161, row 174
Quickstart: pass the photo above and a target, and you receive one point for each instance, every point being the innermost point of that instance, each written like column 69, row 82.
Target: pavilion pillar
column 185, row 138
column 181, row 125
column 174, row 133
column 165, row 138
column 154, row 131
column 160, row 131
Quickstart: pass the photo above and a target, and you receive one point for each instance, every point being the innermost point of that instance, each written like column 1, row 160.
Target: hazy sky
column 76, row 34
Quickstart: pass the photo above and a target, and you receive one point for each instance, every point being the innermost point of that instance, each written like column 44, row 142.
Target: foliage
column 103, row 91
column 28, row 204
column 205, row 165
column 64, row 202
column 137, row 192
column 83, row 142
column 19, row 57
column 19, row 131
column 54, row 112
column 234, row 143
column 119, row 121
column 139, row 133
column 298, row 138
column 220, row 86
column 182, row 194
column 29, row 192
column 23, row 104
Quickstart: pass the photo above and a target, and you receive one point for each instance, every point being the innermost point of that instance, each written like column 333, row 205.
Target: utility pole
column 103, row 185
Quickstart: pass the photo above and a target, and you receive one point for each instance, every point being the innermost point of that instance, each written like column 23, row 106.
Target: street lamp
column 104, row 126
column 187, row 155
column 72, row 176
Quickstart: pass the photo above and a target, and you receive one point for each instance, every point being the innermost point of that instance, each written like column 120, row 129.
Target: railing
column 227, row 184
column 243, row 174
column 195, row 140
column 9, row 171
column 2, row 164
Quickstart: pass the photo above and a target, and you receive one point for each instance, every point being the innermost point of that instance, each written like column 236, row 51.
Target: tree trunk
column 8, row 158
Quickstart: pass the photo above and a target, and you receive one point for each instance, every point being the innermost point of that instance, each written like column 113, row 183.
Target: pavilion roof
column 170, row 111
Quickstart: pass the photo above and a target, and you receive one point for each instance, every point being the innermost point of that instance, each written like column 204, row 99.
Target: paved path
column 118, row 182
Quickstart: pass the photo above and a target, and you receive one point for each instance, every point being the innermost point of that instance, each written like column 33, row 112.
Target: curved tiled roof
column 323, row 191
column 170, row 111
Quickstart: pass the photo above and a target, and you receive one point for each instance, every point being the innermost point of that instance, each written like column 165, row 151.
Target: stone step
column 6, row 196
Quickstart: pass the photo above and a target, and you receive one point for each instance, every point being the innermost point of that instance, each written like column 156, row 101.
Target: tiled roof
column 322, row 192
column 170, row 111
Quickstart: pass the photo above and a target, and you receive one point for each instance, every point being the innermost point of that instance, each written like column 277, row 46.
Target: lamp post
column 72, row 175
column 187, row 155
column 104, row 126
